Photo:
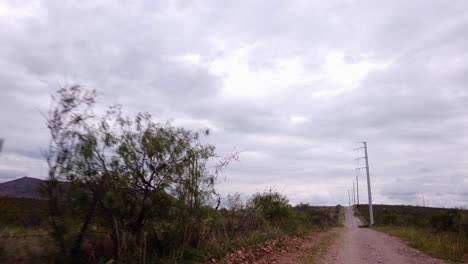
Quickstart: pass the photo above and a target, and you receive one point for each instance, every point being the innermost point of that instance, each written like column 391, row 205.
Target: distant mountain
column 25, row 187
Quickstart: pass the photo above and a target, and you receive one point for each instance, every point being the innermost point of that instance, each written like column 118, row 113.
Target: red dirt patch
column 287, row 249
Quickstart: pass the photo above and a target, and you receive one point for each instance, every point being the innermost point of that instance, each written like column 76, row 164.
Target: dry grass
column 25, row 240
column 318, row 250
column 439, row 232
column 20, row 245
column 443, row 245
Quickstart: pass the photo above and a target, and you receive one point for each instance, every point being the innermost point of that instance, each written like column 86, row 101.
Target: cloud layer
column 291, row 85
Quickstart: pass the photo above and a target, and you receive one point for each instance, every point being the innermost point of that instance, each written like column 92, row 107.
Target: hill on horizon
column 24, row 187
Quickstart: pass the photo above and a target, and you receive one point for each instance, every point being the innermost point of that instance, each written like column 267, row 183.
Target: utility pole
column 357, row 190
column 366, row 157
column 1, row 144
column 369, row 192
column 354, row 194
column 349, row 199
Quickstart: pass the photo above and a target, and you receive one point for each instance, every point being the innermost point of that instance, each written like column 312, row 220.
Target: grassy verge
column 302, row 223
column 219, row 247
column 439, row 232
column 21, row 245
column 443, row 245
column 357, row 213
column 25, row 235
column 318, row 250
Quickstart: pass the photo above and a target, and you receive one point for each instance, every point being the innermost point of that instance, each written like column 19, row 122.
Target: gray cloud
column 163, row 57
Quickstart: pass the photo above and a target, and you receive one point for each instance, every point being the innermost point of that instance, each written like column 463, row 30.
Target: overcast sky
column 291, row 85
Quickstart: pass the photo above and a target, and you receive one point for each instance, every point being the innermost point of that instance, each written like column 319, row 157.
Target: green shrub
column 451, row 220
column 272, row 205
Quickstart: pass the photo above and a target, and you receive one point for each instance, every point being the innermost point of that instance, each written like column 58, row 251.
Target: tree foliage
column 133, row 176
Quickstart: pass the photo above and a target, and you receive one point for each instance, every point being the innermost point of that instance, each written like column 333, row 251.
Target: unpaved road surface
column 363, row 245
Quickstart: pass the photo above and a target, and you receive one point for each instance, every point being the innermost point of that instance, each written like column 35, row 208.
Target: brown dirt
column 315, row 248
column 363, row 245
column 286, row 250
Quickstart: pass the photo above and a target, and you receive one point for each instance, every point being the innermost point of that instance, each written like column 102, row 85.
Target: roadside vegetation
column 25, row 233
column 440, row 232
column 134, row 190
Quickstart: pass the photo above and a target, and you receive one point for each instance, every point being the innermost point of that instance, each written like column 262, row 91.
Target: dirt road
column 363, row 245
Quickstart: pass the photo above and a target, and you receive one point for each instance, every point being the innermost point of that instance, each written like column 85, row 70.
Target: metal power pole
column 366, row 157
column 349, row 199
column 354, row 194
column 369, row 192
column 357, row 190
column 1, row 144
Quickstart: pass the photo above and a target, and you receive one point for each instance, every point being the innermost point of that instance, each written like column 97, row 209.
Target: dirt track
column 363, row 245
